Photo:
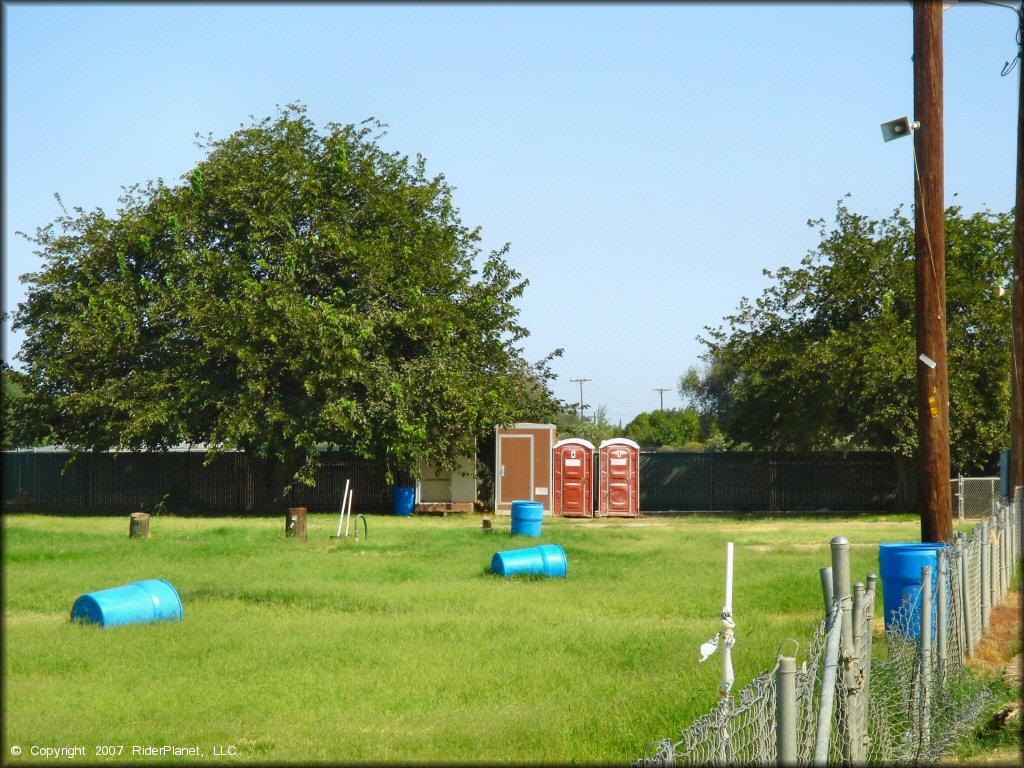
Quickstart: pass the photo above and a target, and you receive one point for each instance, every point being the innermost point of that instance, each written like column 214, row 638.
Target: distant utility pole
column 661, row 391
column 930, row 277
column 1017, row 296
column 581, row 382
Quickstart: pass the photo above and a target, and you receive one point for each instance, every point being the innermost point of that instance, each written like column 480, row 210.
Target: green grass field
column 401, row 648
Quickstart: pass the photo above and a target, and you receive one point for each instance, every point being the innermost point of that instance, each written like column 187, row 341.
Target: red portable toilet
column 620, row 478
column 574, row 461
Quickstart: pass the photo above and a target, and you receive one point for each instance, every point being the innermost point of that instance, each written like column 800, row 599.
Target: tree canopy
column 825, row 357
column 298, row 288
column 672, row 428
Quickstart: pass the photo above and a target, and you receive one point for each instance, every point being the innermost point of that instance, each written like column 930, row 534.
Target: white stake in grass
column 344, row 498
column 348, row 516
column 725, row 637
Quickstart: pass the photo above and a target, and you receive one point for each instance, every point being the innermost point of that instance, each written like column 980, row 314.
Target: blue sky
column 645, row 162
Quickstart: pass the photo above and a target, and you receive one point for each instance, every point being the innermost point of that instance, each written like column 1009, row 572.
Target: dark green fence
column 130, row 481
column 743, row 481
column 767, row 482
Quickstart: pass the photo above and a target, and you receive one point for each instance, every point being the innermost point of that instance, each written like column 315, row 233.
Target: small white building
column 440, row 491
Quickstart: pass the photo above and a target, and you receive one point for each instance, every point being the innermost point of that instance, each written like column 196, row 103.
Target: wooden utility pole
column 1017, row 295
column 661, row 391
column 930, row 277
column 581, row 381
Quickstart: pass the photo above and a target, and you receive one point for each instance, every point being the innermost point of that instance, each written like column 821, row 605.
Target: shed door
column 515, row 468
column 620, row 480
column 574, row 480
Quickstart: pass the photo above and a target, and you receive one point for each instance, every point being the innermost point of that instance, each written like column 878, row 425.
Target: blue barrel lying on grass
column 527, row 518
column 141, row 602
column 900, row 566
column 543, row 560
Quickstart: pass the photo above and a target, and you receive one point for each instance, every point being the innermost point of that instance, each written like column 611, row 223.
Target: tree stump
column 487, row 524
column 295, row 522
column 138, row 525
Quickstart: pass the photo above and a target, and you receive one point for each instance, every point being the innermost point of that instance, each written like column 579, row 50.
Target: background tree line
column 825, row 358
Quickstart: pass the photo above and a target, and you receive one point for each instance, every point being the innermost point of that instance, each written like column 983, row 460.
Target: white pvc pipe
column 728, row 576
column 344, row 496
column 348, row 517
column 727, row 626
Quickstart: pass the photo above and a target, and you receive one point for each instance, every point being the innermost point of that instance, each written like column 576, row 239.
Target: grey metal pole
column 826, row 588
column 941, row 599
column 855, row 681
column 966, row 599
column 785, row 711
column 993, row 561
column 841, row 586
column 1004, row 554
column 844, row 599
column 960, row 496
column 926, row 655
column 1002, row 558
column 872, row 600
column 983, row 547
column 828, row 688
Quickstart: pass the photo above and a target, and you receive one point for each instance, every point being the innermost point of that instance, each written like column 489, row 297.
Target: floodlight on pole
column 898, row 128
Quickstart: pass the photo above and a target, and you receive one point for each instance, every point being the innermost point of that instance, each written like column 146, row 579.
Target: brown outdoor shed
column 522, row 466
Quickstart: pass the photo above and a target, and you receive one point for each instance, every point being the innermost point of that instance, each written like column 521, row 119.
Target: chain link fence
column 975, row 498
column 904, row 699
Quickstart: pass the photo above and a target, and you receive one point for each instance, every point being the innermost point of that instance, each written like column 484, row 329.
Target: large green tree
column 299, row 287
column 825, row 357
column 672, row 428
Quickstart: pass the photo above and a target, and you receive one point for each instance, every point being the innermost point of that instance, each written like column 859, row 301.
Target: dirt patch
column 1002, row 639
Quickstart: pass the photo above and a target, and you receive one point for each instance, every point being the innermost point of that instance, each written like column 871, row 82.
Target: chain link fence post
column 925, row 673
column 966, row 598
column 986, row 597
column 785, row 711
column 993, row 562
column 941, row 599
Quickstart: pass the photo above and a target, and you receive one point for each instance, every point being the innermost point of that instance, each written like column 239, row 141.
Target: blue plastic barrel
column 403, row 500
column 527, row 518
column 543, row 560
column 141, row 602
column 900, row 566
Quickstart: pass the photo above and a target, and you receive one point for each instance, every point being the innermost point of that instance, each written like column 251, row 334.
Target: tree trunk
column 270, row 475
column 906, row 484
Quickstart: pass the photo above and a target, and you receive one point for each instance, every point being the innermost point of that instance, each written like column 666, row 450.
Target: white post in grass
column 728, row 625
column 348, row 517
column 341, row 519
column 726, row 640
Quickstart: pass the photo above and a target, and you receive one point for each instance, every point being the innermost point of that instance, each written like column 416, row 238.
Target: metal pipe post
column 941, row 599
column 844, row 599
column 841, row 587
column 966, row 599
column 785, row 711
column 993, row 561
column 986, row 606
column 926, row 655
column 826, row 588
column 855, row 681
column 828, row 688
column 872, row 599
